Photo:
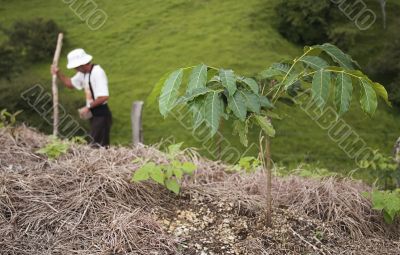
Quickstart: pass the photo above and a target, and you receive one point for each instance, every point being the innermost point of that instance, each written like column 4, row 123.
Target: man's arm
column 65, row 79
column 99, row 101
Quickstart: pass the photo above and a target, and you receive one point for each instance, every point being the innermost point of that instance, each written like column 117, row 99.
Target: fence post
column 136, row 120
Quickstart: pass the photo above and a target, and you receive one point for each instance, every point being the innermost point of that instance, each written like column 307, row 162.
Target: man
column 93, row 80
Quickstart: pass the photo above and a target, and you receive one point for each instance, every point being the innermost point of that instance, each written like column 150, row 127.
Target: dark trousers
column 100, row 127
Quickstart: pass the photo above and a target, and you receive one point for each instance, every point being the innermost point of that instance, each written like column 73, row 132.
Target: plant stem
column 275, row 98
column 269, row 180
column 219, row 142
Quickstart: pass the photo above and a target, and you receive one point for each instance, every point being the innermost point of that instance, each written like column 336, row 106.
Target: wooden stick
column 136, row 119
column 54, row 85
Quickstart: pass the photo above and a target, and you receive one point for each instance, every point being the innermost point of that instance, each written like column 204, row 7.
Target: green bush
column 169, row 175
column 55, row 148
column 34, row 39
column 388, row 202
column 383, row 169
column 310, row 22
column 10, row 62
column 27, row 42
column 385, row 67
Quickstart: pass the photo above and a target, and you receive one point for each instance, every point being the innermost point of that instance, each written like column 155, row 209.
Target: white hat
column 77, row 58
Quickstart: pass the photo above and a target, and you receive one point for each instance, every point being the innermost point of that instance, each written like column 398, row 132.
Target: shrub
column 27, row 42
column 55, row 148
column 386, row 68
column 168, row 175
column 34, row 39
column 306, row 22
column 10, row 61
column 388, row 202
column 382, row 168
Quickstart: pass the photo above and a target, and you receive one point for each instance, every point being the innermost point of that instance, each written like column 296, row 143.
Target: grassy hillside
column 144, row 39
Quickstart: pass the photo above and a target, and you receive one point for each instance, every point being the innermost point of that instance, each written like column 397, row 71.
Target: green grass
column 144, row 39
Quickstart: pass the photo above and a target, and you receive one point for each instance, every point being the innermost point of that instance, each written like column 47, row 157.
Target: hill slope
column 143, row 39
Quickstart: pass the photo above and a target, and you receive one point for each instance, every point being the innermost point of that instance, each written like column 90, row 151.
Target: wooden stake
column 54, row 85
column 136, row 119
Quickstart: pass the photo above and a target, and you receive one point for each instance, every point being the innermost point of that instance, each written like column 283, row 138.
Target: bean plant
column 169, row 175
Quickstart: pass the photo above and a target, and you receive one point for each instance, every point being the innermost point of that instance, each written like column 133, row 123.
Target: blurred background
column 138, row 41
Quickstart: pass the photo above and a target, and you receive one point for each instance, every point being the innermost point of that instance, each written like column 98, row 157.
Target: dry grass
column 84, row 203
column 336, row 201
column 80, row 204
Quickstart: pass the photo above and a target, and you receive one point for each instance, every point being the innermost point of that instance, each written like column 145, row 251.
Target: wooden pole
column 54, row 85
column 136, row 119
column 269, row 179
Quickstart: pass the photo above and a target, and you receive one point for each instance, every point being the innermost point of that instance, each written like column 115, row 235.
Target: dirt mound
column 84, row 203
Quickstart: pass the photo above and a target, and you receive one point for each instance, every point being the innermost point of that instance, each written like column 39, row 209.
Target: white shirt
column 98, row 80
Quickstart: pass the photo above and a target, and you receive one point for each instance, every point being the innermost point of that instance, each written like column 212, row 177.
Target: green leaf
column 265, row 125
column 368, row 99
column 378, row 200
column 270, row 73
column 54, row 149
column 337, row 55
column 253, row 85
column 228, row 80
column 393, row 204
column 193, row 94
column 237, row 104
column 320, row 87
column 314, row 62
column 264, row 101
column 157, row 175
column 381, row 91
column 291, row 79
column 173, row 186
column 152, row 98
column 245, row 162
column 388, row 217
column 178, row 173
column 281, row 67
column 168, row 171
column 252, row 101
column 343, row 92
column 170, row 92
column 241, row 128
column 198, row 78
column 188, row 167
column 174, row 149
column 142, row 174
column 197, row 107
column 213, row 109
column 273, row 115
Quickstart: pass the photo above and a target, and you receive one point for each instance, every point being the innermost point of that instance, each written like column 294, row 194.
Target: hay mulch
column 84, row 203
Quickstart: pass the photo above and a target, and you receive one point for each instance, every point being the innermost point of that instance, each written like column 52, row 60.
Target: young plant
column 78, row 140
column 8, row 119
column 54, row 149
column 388, row 202
column 214, row 94
column 168, row 175
column 383, row 168
column 247, row 164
